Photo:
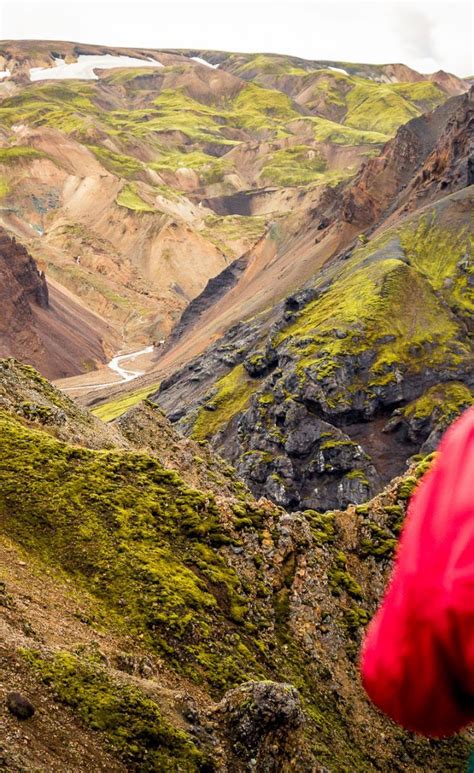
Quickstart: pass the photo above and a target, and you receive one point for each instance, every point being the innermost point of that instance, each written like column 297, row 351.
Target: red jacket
column 418, row 656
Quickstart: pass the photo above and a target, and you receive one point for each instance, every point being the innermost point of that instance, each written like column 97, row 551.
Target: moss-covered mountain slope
column 315, row 398
column 319, row 411
column 149, row 602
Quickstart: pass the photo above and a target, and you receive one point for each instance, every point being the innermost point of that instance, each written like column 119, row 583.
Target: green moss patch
column 233, row 394
column 118, row 164
column 131, row 199
column 223, row 231
column 4, row 187
column 209, row 168
column 298, row 165
column 330, row 131
column 383, row 305
column 19, row 153
column 133, row 534
column 444, row 256
column 131, row 721
column 67, row 107
column 385, row 107
column 256, row 108
column 446, row 401
column 110, row 410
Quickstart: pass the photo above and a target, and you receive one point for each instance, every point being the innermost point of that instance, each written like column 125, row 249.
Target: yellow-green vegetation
column 327, row 87
column 117, row 163
column 444, row 401
column 394, row 306
column 173, row 110
column 136, row 75
column 19, row 153
column 444, row 256
column 366, row 104
column 230, row 228
column 4, row 187
column 322, row 526
column 256, row 108
column 66, row 106
column 133, row 534
column 109, row 411
column 384, row 107
column 380, row 542
column 131, row 721
column 268, row 63
column 369, row 305
column 233, row 393
column 407, row 487
column 209, row 168
column 382, row 304
column 131, row 199
column 425, row 94
column 409, row 483
column 340, row 579
column 330, row 131
column 298, row 165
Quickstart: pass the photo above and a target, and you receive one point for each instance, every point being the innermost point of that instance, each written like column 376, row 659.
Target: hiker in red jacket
column 418, row 656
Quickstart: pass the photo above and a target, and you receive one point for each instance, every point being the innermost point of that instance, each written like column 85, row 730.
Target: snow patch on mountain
column 338, row 69
column 203, row 61
column 85, row 66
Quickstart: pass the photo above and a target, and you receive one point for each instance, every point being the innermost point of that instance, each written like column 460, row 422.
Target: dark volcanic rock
column 19, row 706
column 262, row 719
column 383, row 322
column 215, row 289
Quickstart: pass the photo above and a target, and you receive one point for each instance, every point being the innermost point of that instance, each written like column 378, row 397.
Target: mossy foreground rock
column 262, row 719
column 180, row 629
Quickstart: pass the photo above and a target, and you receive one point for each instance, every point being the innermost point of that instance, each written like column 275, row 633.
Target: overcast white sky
column 426, row 35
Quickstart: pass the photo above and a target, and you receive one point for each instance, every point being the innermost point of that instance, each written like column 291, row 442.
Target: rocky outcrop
column 449, row 166
column 428, row 157
column 22, row 288
column 265, row 608
column 261, row 720
column 215, row 289
column 19, row 706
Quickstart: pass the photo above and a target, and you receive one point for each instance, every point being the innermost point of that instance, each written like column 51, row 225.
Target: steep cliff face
column 22, row 288
column 43, row 327
column 181, row 628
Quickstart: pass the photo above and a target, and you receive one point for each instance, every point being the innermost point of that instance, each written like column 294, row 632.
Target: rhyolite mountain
column 185, row 578
column 134, row 186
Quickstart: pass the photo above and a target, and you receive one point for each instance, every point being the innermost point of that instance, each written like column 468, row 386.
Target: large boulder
column 262, row 720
